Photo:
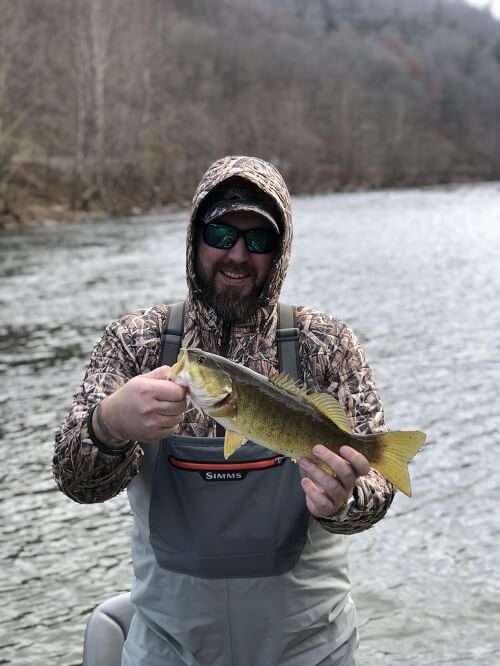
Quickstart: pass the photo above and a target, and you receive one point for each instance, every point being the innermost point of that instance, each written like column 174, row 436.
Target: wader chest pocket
column 214, row 518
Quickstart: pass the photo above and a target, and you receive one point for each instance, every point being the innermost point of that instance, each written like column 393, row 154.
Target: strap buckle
column 287, row 334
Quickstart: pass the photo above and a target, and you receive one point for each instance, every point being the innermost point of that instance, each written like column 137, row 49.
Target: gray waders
column 230, row 568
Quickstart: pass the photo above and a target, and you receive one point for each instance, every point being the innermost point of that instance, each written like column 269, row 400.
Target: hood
column 270, row 181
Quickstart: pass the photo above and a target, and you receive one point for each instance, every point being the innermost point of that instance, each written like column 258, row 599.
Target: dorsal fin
column 286, row 383
column 331, row 408
column 324, row 403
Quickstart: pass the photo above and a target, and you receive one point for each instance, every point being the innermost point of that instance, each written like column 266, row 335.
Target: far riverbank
column 25, row 211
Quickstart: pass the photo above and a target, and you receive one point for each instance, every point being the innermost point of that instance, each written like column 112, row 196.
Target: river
column 415, row 272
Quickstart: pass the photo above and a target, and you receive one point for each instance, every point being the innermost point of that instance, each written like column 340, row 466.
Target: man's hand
column 145, row 409
column 325, row 494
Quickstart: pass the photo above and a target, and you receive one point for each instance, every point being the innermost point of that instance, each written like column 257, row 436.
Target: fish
column 280, row 414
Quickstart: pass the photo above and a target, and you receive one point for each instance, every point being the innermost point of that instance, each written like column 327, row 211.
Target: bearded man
column 250, row 569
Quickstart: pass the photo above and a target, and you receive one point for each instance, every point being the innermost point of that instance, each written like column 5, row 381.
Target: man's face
column 233, row 278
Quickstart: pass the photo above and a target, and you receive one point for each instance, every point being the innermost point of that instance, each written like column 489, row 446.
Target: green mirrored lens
column 220, row 235
column 258, row 240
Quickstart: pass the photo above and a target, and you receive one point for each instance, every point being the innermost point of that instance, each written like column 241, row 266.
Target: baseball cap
column 237, row 194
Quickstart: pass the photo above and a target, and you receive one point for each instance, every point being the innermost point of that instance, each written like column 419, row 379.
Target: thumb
column 163, row 372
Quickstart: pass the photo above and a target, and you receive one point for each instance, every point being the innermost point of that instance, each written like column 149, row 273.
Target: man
column 248, row 570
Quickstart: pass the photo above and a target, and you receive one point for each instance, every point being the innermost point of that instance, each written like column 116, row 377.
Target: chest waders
column 230, row 568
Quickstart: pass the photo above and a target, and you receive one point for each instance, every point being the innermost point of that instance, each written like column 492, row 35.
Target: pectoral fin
column 232, row 441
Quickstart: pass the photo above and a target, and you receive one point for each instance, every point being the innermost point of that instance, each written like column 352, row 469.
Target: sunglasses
column 224, row 237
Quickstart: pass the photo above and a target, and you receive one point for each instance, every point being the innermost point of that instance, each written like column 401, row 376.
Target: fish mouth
column 176, row 370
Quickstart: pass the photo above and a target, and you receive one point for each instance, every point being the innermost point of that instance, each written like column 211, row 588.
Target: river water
column 416, row 273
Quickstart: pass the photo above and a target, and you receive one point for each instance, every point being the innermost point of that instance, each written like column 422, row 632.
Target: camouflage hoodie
column 332, row 361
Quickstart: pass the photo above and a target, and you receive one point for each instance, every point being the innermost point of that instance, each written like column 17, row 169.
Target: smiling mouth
column 234, row 276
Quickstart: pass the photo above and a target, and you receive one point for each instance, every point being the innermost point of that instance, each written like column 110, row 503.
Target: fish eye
column 201, row 360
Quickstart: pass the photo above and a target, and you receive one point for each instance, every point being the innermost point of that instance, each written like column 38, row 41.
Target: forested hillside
column 121, row 104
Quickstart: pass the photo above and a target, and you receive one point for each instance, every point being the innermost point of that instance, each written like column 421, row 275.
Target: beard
column 228, row 302
column 232, row 307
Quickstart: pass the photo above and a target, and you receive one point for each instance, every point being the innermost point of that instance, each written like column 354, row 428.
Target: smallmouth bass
column 281, row 415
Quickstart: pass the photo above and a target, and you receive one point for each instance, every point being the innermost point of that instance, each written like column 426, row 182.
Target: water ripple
column 416, row 273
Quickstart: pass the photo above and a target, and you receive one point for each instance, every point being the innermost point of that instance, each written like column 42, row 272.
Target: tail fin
column 394, row 452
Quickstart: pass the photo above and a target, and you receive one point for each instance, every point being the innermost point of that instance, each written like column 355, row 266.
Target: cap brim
column 231, row 207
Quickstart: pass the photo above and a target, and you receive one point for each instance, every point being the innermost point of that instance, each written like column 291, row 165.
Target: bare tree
column 120, row 104
column 12, row 113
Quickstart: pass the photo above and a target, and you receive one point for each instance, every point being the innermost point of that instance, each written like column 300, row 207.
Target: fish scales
column 286, row 423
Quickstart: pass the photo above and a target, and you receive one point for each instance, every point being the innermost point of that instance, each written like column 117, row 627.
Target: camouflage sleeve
column 83, row 471
column 353, row 383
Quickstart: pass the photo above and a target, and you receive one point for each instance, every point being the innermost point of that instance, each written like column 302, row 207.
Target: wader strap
column 287, row 338
column 171, row 337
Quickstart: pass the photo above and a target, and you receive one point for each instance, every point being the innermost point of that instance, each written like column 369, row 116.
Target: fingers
column 157, row 427
column 162, row 372
column 169, row 398
column 326, row 493
column 319, row 502
column 343, row 472
column 150, row 384
column 162, row 413
column 147, row 407
column 357, row 460
column 157, row 397
column 167, row 409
